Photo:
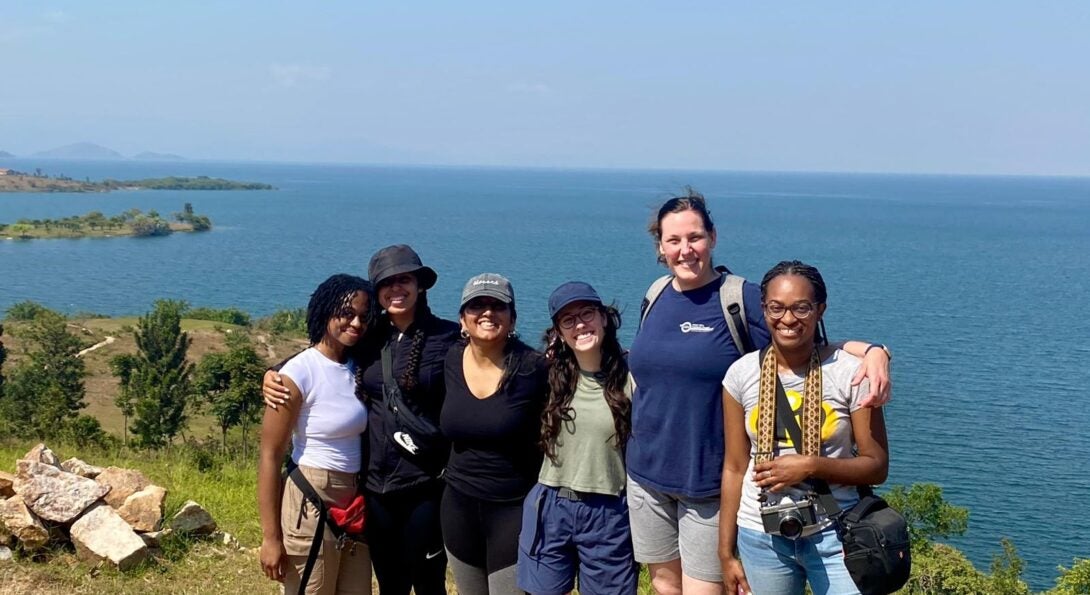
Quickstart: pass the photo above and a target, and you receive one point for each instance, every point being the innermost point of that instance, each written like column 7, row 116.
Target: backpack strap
column 733, row 301
column 653, row 294
column 731, row 298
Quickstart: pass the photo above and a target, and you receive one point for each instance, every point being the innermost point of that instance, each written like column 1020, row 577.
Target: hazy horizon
column 996, row 88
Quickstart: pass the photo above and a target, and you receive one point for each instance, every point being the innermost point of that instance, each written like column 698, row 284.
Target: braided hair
column 564, row 377
column 812, row 275
column 421, row 316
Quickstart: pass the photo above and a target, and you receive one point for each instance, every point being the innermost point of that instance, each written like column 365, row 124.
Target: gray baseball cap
column 488, row 285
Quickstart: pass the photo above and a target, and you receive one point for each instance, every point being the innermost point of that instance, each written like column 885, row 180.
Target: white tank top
column 327, row 433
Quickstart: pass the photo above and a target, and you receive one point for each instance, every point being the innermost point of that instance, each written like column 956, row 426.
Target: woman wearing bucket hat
column 496, row 387
column 575, row 520
column 402, row 477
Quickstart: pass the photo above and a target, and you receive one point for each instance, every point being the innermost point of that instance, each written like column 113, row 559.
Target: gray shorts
column 668, row 526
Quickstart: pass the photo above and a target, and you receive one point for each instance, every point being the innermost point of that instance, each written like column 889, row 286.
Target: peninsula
column 133, row 222
column 14, row 181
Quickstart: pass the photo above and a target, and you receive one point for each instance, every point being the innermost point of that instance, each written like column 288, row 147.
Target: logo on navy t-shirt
column 695, row 327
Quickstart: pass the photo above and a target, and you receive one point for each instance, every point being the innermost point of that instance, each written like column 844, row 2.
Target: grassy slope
column 102, row 385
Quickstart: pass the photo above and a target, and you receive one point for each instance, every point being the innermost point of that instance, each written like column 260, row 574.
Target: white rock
column 53, row 494
column 193, row 519
column 5, row 554
column 81, row 468
column 155, row 538
column 101, row 534
column 42, row 454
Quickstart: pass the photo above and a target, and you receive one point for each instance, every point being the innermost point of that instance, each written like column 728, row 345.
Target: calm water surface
column 977, row 283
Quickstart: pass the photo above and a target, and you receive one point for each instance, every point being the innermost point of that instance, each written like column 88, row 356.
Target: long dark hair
column 564, row 376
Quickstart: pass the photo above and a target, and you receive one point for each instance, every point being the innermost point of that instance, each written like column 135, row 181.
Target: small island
column 15, row 181
column 131, row 223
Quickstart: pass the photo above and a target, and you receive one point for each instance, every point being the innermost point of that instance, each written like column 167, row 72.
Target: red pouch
column 351, row 518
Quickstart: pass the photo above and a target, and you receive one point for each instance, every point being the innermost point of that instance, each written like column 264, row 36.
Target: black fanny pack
column 418, row 439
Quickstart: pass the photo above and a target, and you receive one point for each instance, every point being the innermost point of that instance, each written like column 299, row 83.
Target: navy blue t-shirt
column 678, row 359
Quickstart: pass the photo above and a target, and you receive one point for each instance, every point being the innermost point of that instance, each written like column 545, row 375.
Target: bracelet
column 879, row 346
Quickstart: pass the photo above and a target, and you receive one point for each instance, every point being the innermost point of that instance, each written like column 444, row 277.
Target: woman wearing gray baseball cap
column 496, row 388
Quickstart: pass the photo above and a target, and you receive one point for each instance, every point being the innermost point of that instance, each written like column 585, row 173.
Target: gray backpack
column 730, row 297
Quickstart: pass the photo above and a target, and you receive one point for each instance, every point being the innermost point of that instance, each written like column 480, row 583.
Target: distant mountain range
column 93, row 151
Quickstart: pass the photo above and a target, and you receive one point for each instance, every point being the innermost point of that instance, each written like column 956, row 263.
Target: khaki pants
column 336, row 572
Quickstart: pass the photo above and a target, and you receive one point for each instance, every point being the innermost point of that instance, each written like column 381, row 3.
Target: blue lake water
column 977, row 283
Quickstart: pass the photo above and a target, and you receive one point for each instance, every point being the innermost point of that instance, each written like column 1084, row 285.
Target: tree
column 1074, row 580
column 122, row 366
column 26, row 311
column 231, row 383
column 161, row 375
column 929, row 516
column 44, row 393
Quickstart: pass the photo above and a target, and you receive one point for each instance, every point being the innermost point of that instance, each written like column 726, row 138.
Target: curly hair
column 564, row 377
column 331, row 297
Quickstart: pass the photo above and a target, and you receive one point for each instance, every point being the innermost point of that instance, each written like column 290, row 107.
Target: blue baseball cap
column 571, row 292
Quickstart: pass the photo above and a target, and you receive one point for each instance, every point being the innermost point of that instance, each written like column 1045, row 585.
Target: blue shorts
column 566, row 533
column 780, row 566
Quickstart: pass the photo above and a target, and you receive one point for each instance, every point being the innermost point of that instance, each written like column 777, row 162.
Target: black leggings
column 406, row 541
column 482, row 538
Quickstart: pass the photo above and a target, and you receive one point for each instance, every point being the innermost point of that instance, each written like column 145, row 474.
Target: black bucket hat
column 395, row 260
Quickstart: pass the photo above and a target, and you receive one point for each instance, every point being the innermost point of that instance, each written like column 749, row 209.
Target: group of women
column 569, row 465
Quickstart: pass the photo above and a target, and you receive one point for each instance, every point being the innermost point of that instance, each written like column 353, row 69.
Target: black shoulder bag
column 874, row 536
column 418, row 439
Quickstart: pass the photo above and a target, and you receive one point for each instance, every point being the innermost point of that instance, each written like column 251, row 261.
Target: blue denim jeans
column 779, row 566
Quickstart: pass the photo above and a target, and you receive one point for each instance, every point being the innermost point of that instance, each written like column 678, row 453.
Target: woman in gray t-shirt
column 762, row 493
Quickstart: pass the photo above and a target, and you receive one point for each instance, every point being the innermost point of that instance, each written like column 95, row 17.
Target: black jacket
column 387, row 470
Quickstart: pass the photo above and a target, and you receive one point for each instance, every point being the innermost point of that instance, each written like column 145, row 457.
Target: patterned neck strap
column 766, row 403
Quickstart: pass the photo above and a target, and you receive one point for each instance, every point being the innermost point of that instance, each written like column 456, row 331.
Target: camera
column 789, row 518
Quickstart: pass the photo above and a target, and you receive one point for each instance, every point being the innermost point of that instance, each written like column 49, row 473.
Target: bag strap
column 388, row 369
column 788, row 421
column 316, row 501
column 731, row 299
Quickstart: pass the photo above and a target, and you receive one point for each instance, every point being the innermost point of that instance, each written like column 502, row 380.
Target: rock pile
column 109, row 514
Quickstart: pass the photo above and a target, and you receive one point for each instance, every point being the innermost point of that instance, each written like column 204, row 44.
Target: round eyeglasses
column 585, row 316
column 776, row 310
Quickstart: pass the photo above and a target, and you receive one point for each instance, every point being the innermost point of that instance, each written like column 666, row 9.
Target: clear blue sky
column 972, row 86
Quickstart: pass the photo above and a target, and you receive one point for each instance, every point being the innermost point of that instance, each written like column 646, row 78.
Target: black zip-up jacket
column 387, row 470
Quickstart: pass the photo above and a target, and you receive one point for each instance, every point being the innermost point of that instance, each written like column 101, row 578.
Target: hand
column 875, row 368
column 273, row 389
column 734, row 577
column 272, row 557
column 783, row 472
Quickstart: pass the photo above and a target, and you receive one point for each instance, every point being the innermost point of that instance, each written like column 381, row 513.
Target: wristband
column 879, row 346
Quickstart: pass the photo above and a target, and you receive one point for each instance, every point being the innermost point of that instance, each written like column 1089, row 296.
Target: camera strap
column 773, row 399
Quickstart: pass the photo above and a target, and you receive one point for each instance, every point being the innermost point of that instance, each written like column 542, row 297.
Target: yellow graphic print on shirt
column 829, row 419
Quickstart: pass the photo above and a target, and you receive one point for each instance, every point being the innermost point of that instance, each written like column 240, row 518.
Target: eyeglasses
column 776, row 310
column 478, row 306
column 585, row 316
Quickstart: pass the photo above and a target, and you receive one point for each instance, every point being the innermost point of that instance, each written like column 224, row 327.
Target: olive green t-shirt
column 587, row 459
